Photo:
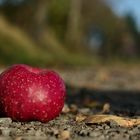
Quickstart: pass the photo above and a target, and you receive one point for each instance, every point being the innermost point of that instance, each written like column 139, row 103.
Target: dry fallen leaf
column 98, row 119
column 121, row 121
column 80, row 117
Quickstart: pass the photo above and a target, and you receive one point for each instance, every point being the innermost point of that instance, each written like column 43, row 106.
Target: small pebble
column 5, row 121
column 65, row 109
column 5, row 131
column 19, row 138
column 73, row 108
column 106, row 108
column 38, row 133
column 65, row 135
column 95, row 133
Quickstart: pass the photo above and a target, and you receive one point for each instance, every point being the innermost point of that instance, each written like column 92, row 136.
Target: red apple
column 28, row 94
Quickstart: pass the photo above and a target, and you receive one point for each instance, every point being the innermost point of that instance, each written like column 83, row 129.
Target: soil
column 89, row 91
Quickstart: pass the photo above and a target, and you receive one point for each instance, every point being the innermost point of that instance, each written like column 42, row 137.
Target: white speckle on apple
column 36, row 94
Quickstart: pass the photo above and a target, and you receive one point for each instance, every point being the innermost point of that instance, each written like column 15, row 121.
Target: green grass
column 17, row 47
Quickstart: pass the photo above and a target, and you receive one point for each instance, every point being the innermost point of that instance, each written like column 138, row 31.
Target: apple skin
column 31, row 94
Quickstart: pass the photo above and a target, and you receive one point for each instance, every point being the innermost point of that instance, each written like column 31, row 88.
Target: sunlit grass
column 17, row 47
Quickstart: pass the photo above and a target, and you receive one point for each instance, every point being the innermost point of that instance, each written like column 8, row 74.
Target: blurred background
column 69, row 32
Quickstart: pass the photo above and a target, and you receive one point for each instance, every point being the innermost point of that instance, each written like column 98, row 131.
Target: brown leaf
column 121, row 121
column 80, row 117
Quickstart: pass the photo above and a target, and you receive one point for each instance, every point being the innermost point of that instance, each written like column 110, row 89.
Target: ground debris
column 106, row 108
column 5, row 121
column 64, row 135
column 121, row 121
column 73, row 108
column 80, row 117
column 65, row 109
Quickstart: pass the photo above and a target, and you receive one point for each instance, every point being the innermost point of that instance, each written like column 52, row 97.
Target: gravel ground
column 105, row 78
column 90, row 91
